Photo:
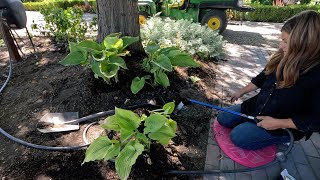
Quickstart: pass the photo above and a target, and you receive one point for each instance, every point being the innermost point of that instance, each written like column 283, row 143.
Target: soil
column 40, row 85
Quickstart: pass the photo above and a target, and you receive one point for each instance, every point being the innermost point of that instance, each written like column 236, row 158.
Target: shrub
column 263, row 2
column 265, row 13
column 184, row 34
column 131, row 141
column 64, row 25
column 37, row 5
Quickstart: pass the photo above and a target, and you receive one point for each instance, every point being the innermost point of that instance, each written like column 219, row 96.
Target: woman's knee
column 238, row 138
column 227, row 119
column 242, row 136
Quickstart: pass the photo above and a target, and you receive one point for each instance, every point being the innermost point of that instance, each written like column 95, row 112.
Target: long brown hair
column 303, row 49
column 276, row 57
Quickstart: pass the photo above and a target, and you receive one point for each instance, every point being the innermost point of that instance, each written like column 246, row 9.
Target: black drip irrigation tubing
column 280, row 156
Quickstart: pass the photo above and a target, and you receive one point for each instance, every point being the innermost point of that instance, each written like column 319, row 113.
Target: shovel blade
column 56, row 122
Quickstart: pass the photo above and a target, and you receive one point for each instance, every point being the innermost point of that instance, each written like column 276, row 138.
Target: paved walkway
column 243, row 63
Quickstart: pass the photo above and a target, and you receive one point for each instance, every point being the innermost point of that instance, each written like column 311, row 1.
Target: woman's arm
column 248, row 88
column 270, row 123
column 255, row 83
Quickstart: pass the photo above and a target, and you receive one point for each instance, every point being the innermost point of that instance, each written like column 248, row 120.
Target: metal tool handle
column 254, row 119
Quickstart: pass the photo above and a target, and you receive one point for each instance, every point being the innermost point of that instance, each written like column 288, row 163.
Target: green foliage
column 160, row 62
column 183, row 34
column 305, row 1
column 264, row 13
column 105, row 60
column 64, row 25
column 132, row 142
column 262, row 2
column 37, row 5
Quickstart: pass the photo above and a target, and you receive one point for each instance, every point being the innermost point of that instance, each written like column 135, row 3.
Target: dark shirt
column 300, row 102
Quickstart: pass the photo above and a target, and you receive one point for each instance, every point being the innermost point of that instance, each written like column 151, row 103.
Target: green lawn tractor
column 211, row 12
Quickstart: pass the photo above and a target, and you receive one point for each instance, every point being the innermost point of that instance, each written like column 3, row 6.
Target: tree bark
column 119, row 16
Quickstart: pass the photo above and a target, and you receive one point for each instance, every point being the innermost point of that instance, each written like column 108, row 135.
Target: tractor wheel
column 216, row 20
column 143, row 17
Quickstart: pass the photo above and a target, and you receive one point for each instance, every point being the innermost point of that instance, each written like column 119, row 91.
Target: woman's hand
column 270, row 123
column 236, row 96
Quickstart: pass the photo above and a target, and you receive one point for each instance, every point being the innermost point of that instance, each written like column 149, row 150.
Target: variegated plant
column 129, row 144
column 104, row 59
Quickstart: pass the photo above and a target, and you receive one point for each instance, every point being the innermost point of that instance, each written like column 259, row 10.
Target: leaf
column 153, row 123
column 163, row 62
column 166, row 51
column 99, row 55
column 109, row 70
column 174, row 53
column 137, row 84
column 168, row 108
column 90, row 45
column 143, row 138
column 111, row 123
column 127, row 40
column 113, row 151
column 125, row 135
column 73, row 58
column 113, row 43
column 127, row 158
column 127, row 119
column 74, row 47
column 95, row 67
column 118, row 61
column 172, row 124
column 183, row 61
column 162, row 79
column 152, row 48
column 99, row 149
column 163, row 135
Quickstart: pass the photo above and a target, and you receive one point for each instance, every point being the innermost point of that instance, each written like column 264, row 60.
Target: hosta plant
column 105, row 59
column 160, row 62
column 135, row 133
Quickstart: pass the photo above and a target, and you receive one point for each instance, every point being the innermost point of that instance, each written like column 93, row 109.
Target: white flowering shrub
column 184, row 34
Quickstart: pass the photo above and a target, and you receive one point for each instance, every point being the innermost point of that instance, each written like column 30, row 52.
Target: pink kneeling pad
column 249, row 158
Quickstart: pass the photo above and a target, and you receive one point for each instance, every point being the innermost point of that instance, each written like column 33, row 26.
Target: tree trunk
column 119, row 16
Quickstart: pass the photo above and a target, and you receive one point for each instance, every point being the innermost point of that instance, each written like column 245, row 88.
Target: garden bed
column 40, row 85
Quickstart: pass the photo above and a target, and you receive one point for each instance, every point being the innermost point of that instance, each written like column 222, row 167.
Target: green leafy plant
column 129, row 143
column 65, row 24
column 160, row 62
column 105, row 59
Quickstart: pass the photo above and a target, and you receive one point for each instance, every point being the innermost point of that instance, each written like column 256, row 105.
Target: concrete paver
column 244, row 62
